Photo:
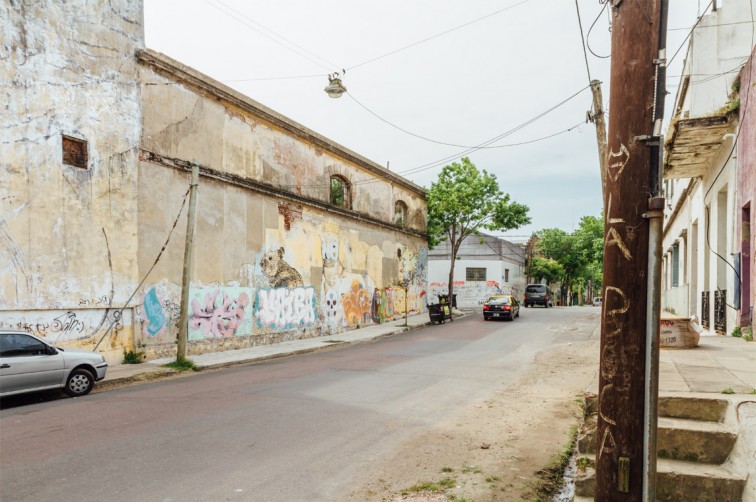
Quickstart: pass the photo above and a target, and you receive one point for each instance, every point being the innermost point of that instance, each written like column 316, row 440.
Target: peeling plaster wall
column 67, row 234
column 268, row 266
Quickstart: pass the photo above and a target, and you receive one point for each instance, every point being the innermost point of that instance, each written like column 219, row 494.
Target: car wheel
column 79, row 383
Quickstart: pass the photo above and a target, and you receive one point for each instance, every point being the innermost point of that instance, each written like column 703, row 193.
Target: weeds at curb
column 182, row 365
column 551, row 477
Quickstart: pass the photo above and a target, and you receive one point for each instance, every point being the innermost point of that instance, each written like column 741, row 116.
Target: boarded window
column 675, row 265
column 475, row 274
column 74, row 152
column 339, row 192
column 506, row 275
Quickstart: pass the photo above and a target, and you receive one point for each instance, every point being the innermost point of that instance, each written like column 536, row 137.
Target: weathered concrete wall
column 67, row 234
column 273, row 259
column 746, row 206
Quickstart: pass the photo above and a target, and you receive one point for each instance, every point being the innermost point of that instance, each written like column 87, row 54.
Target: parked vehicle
column 501, row 307
column 538, row 294
column 597, row 301
column 28, row 364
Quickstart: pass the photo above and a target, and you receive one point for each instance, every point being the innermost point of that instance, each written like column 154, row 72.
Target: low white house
column 699, row 265
column 485, row 265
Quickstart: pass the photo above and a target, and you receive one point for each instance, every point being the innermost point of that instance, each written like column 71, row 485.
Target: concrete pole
column 599, row 119
column 186, row 277
column 620, row 457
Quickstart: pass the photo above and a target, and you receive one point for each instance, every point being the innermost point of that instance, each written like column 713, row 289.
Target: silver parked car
column 28, row 363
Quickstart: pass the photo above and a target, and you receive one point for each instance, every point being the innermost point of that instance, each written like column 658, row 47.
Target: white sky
column 463, row 87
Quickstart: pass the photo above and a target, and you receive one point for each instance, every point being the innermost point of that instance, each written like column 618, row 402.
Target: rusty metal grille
column 720, row 313
column 705, row 309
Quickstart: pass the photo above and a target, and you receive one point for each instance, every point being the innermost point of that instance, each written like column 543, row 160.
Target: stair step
column 677, row 439
column 676, row 481
column 693, row 408
column 694, row 440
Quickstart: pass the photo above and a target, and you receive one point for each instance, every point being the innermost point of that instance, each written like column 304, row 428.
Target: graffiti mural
column 356, row 305
column 285, row 308
column 219, row 312
column 278, row 271
column 153, row 311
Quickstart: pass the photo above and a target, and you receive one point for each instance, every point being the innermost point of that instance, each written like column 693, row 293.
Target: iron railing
column 705, row 309
column 720, row 313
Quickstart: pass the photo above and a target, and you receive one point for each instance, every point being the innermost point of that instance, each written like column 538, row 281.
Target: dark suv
column 538, row 294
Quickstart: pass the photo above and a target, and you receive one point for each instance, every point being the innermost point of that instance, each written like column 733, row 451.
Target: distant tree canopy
column 464, row 201
column 579, row 254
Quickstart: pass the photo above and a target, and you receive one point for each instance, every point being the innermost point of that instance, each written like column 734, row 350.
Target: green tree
column 545, row 269
column 464, row 201
column 580, row 254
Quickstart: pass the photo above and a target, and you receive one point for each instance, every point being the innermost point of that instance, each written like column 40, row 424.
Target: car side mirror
column 51, row 351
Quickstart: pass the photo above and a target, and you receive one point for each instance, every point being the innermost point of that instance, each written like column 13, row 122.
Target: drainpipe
column 655, row 215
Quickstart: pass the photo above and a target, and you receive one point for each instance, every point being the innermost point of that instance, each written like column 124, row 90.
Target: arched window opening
column 400, row 213
column 339, row 192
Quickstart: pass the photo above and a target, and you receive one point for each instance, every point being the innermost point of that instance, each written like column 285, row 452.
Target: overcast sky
column 463, row 87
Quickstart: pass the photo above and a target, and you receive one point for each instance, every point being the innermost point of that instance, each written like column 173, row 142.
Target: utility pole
column 186, row 277
column 598, row 118
column 626, row 442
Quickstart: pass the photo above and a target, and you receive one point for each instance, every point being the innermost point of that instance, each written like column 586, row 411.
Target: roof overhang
column 694, row 143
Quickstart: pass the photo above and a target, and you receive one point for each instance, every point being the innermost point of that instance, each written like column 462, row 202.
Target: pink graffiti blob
column 222, row 321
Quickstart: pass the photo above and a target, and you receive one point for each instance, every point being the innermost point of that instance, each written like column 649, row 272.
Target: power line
column 247, row 21
column 437, row 35
column 582, row 41
column 669, row 62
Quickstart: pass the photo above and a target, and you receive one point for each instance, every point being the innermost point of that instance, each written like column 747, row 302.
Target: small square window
column 75, row 152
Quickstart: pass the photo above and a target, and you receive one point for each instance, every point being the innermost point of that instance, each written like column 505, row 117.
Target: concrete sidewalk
column 717, row 364
column 134, row 372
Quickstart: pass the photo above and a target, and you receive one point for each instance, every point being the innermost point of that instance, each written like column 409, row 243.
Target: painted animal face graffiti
column 330, row 248
column 278, row 271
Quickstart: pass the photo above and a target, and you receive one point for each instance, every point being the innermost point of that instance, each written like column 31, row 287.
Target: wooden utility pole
column 187, row 275
column 621, row 462
column 598, row 118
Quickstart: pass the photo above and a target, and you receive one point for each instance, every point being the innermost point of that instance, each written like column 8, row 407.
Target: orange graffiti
column 356, row 304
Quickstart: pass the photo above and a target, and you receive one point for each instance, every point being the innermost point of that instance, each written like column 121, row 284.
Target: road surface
column 309, row 427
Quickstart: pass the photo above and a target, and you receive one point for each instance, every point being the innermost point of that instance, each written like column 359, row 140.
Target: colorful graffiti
column 220, row 312
column 154, row 312
column 284, row 308
column 356, row 305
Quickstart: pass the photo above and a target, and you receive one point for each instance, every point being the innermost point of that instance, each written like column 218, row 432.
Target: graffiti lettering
column 356, row 305
column 67, row 324
column 222, row 313
column 283, row 308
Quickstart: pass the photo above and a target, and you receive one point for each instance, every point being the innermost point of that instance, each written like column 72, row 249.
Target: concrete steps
column 694, row 442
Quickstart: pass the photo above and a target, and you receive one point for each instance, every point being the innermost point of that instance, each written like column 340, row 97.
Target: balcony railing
column 720, row 312
column 705, row 309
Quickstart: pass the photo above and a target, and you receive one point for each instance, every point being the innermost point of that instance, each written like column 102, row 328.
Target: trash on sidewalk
column 679, row 332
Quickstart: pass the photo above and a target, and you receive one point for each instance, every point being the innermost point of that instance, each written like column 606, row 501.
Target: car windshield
column 502, row 300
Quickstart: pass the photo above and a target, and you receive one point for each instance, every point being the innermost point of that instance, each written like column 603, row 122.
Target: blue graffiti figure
column 154, row 312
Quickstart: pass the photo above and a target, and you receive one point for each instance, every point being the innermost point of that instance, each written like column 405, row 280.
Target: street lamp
column 334, row 88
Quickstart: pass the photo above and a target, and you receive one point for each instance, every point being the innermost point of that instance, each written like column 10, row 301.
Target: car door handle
column 5, row 366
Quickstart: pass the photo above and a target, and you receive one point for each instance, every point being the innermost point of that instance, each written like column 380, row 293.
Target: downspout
column 655, row 215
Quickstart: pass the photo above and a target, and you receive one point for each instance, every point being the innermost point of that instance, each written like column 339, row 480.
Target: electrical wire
column 437, row 35
column 247, row 21
column 117, row 318
column 669, row 62
column 582, row 41
column 588, row 36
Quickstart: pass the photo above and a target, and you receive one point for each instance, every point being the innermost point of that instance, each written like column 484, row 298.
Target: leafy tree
column 464, row 201
column 580, row 254
column 545, row 269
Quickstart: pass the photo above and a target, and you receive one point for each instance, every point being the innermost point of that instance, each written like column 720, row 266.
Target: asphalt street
column 298, row 428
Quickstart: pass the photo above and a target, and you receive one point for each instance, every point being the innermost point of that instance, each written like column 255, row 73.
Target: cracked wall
column 68, row 234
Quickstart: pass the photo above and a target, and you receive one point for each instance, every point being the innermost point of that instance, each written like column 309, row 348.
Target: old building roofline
column 180, row 72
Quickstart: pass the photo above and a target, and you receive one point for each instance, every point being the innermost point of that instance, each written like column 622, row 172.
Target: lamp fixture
column 335, row 88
